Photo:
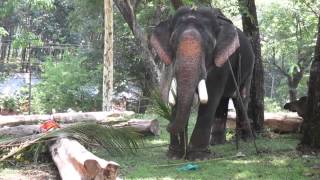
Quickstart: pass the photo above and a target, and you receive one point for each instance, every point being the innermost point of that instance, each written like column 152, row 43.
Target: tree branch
column 127, row 9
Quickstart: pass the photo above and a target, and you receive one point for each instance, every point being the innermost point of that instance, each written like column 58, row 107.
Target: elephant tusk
column 173, row 92
column 203, row 94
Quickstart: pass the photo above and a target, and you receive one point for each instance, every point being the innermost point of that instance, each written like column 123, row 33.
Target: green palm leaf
column 160, row 107
column 114, row 140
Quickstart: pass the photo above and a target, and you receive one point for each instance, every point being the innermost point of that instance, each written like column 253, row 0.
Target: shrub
column 66, row 84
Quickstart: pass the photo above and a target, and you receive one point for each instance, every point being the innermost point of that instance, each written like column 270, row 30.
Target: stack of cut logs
column 72, row 159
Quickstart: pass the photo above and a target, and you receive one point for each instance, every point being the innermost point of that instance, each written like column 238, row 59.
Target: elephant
column 299, row 106
column 195, row 45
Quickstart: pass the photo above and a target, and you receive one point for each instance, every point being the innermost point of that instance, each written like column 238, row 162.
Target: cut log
column 146, row 127
column 278, row 122
column 142, row 126
column 64, row 117
column 77, row 163
column 21, row 130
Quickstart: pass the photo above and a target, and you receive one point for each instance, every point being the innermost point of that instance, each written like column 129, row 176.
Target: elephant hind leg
column 218, row 128
column 243, row 123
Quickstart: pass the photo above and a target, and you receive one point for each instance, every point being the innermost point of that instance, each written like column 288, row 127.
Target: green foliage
column 288, row 37
column 66, row 84
column 25, row 39
column 3, row 32
column 159, row 107
column 120, row 141
column 271, row 105
column 8, row 103
column 41, row 4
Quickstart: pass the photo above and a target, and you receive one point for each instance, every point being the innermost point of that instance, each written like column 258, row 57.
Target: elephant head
column 193, row 42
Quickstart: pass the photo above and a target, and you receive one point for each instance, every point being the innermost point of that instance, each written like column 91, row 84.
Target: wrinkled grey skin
column 195, row 45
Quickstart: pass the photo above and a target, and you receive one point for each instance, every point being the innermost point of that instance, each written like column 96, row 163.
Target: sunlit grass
column 278, row 160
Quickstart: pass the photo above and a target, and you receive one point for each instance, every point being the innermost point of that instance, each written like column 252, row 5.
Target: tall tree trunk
column 251, row 29
column 11, row 33
column 127, row 9
column 23, row 59
column 311, row 124
column 108, row 56
column 3, row 49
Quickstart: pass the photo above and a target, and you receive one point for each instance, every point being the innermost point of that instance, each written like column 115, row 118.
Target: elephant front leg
column 199, row 143
column 178, row 142
column 177, row 146
column 218, row 131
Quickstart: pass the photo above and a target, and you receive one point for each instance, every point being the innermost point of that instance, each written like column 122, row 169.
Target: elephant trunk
column 189, row 57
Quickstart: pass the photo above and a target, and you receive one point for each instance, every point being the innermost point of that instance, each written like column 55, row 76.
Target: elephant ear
column 227, row 43
column 160, row 41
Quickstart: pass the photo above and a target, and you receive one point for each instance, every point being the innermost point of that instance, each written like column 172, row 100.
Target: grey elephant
column 195, row 45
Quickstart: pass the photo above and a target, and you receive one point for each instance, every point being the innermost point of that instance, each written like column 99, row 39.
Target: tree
column 251, row 29
column 108, row 56
column 128, row 10
column 288, row 38
column 311, row 125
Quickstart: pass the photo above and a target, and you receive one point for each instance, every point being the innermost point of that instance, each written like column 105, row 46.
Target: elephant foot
column 175, row 153
column 244, row 132
column 198, row 155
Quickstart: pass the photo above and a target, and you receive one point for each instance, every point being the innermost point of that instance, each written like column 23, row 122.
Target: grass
column 279, row 160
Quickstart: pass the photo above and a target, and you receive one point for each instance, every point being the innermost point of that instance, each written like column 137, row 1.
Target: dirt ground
column 31, row 172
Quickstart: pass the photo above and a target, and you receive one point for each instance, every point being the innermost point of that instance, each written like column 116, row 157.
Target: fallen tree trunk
column 279, row 122
column 64, row 117
column 146, row 127
column 76, row 162
column 21, row 130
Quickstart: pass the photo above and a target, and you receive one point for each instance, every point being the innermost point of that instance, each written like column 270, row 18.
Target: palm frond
column 113, row 140
column 160, row 107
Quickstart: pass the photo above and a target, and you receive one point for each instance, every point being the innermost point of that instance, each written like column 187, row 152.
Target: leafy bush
column 66, row 84
column 8, row 103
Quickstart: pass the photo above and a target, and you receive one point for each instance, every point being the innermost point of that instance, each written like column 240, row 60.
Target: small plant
column 159, row 107
column 8, row 103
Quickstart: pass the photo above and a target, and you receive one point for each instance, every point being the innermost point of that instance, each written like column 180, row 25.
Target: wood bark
column 127, row 8
column 251, row 29
column 108, row 56
column 142, row 126
column 75, row 162
column 278, row 122
column 64, row 118
column 311, row 125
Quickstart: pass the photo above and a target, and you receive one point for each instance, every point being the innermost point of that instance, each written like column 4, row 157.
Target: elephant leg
column 177, row 146
column 199, row 142
column 178, row 143
column 242, row 122
column 218, row 130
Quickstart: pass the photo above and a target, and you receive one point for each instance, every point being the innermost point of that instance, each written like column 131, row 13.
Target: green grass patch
column 279, row 160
